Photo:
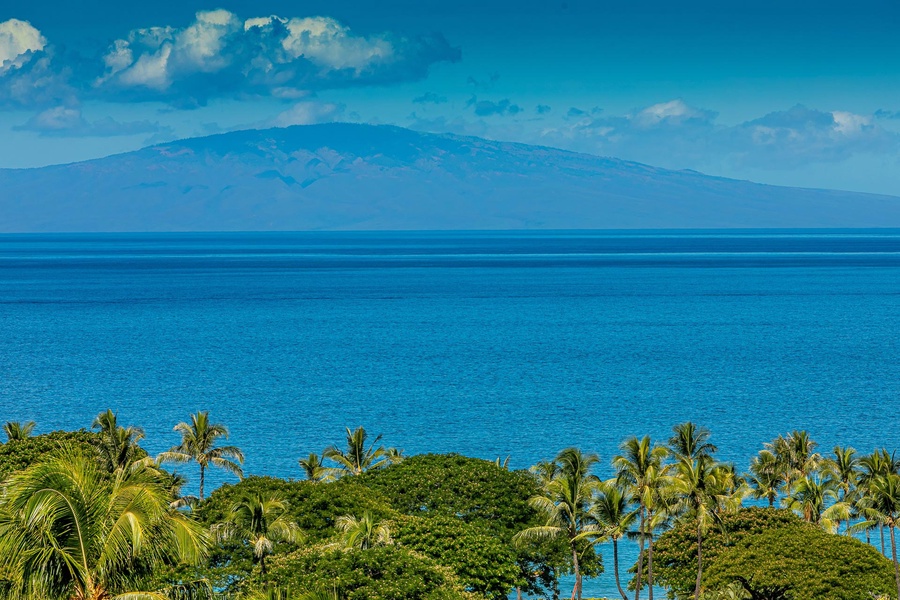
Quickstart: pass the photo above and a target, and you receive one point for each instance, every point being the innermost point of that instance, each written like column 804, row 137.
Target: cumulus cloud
column 488, row 108
column 220, row 54
column 63, row 121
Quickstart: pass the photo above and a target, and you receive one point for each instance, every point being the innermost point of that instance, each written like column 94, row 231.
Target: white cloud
column 327, row 43
column 309, row 113
column 847, row 123
column 17, row 39
column 67, row 121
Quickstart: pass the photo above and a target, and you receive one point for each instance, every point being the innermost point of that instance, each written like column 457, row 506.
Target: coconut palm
column 765, row 477
column 702, row 486
column 880, row 463
column 544, row 472
column 119, row 447
column 260, row 520
column 198, row 444
column 16, row 430
column 613, row 514
column 565, row 503
column 357, row 458
column 885, row 502
column 843, row 470
column 71, row 531
column 314, row 469
column 796, row 456
column 816, row 499
column 363, row 533
column 641, row 471
column 690, row 441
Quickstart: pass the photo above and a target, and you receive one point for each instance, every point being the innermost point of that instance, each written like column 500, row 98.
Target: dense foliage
column 383, row 573
column 773, row 548
column 19, row 454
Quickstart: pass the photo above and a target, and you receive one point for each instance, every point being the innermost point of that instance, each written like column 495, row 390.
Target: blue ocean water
column 491, row 344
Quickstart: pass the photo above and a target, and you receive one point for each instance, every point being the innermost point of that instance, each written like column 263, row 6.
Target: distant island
column 343, row 176
column 90, row 515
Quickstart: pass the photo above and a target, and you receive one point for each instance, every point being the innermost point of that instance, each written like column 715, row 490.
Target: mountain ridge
column 353, row 176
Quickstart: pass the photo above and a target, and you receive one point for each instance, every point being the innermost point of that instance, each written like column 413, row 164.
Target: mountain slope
column 348, row 176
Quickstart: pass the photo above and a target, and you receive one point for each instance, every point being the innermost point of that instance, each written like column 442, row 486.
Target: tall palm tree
column 765, row 477
column 796, row 456
column 690, row 441
column 565, row 503
column 358, row 458
column 71, row 531
column 314, row 469
column 612, row 510
column 544, row 472
column 702, row 486
column 817, row 501
column 641, row 470
column 16, row 430
column 880, row 463
column 885, row 500
column 198, row 443
column 363, row 533
column 260, row 520
column 843, row 470
column 119, row 447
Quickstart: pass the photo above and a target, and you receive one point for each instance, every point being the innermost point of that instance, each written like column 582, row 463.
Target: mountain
column 350, row 176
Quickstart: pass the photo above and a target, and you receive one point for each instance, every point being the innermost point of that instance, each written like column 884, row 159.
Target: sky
column 789, row 92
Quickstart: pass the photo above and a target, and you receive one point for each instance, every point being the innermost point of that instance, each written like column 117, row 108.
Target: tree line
column 100, row 519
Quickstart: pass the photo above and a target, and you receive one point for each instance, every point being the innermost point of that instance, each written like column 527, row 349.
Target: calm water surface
column 488, row 344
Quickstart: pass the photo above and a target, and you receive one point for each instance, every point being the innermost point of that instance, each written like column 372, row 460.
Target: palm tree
column 119, row 447
column 796, row 456
column 843, row 470
column 613, row 514
column 314, row 469
column 690, row 441
column 198, row 443
column 544, row 472
column 885, row 500
column 702, row 486
column 565, row 503
column 641, row 471
column 16, row 430
column 357, row 458
column 816, row 499
column 363, row 533
column 880, row 463
column 260, row 521
column 70, row 531
column 765, row 477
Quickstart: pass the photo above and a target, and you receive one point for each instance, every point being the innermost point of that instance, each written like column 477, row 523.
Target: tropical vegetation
column 90, row 515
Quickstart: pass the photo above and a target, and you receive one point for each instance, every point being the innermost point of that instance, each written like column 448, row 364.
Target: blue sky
column 790, row 92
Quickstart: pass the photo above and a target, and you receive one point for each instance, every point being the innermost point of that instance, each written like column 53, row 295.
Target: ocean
column 490, row 344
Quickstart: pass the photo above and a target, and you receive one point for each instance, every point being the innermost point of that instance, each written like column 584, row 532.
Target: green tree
column 69, row 530
column 765, row 477
column 32, row 450
column 363, row 532
column 842, row 469
column 198, row 444
column 314, row 470
column 17, row 431
column 119, row 446
column 358, row 458
column 260, row 521
column 816, row 500
column 641, row 470
column 483, row 563
column 612, row 510
column 691, row 441
column 565, row 504
column 874, row 466
column 884, row 500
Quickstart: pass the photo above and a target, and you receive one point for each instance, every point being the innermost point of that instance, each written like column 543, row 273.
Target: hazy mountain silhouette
column 348, row 176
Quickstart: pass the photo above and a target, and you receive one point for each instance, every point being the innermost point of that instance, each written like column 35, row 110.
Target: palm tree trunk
column 640, row 565
column 699, row 561
column 518, row 593
column 881, row 531
column 577, row 591
column 202, row 477
column 650, row 565
column 262, row 565
column 616, row 567
column 894, row 556
column 771, row 501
